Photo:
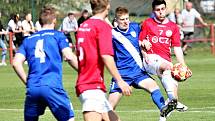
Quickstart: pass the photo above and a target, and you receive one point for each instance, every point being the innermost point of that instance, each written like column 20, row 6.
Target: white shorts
column 95, row 100
column 153, row 65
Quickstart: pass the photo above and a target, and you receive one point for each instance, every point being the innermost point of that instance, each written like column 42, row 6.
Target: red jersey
column 162, row 36
column 94, row 39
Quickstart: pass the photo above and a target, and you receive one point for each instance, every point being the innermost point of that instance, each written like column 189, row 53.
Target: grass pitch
column 197, row 93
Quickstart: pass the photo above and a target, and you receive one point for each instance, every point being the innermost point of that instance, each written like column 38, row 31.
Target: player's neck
column 48, row 26
column 123, row 30
column 99, row 16
column 165, row 21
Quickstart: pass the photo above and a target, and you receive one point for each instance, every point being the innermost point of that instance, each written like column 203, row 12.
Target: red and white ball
column 181, row 72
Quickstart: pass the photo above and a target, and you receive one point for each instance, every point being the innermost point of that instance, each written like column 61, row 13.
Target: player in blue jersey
column 127, row 56
column 44, row 52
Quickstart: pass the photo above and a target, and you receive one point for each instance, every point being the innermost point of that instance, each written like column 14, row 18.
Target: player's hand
column 189, row 72
column 145, row 45
column 126, row 89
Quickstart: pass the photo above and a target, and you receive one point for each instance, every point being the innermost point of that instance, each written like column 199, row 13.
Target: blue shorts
column 132, row 81
column 38, row 98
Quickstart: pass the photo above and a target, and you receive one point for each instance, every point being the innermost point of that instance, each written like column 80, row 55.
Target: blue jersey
column 126, row 50
column 43, row 52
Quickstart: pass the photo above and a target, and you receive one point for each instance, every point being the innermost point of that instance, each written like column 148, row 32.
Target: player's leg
column 170, row 85
column 33, row 105
column 95, row 105
column 59, row 103
column 115, row 94
column 143, row 81
column 147, row 83
column 92, row 116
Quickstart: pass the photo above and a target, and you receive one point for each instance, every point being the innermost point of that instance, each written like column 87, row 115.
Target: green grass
column 197, row 92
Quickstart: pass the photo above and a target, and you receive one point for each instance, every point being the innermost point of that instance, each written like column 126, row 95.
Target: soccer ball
column 180, row 72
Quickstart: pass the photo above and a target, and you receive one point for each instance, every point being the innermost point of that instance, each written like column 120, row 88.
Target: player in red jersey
column 94, row 50
column 157, row 36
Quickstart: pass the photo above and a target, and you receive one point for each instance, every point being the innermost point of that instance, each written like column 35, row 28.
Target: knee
column 149, row 84
column 165, row 66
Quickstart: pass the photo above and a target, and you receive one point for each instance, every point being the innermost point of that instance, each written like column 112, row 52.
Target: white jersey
column 189, row 19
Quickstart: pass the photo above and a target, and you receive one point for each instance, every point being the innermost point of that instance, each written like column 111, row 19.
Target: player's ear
column 54, row 21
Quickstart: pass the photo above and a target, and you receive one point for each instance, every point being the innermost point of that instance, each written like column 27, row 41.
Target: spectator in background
column 69, row 25
column 84, row 16
column 2, row 44
column 188, row 15
column 176, row 17
column 27, row 25
column 38, row 26
column 15, row 26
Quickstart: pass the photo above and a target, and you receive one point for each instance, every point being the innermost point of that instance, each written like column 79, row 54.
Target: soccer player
column 94, row 50
column 127, row 57
column 44, row 52
column 158, row 35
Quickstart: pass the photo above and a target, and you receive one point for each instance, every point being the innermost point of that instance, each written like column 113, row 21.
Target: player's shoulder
column 149, row 19
column 172, row 24
column 134, row 23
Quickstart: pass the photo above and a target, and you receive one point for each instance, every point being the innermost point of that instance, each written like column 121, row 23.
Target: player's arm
column 18, row 67
column 179, row 54
column 110, row 64
column 70, row 57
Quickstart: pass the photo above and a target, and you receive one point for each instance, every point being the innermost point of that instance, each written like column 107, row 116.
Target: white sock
column 168, row 83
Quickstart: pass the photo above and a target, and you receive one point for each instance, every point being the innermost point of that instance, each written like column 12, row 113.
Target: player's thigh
column 157, row 64
column 59, row 103
column 34, row 106
column 110, row 116
column 95, row 101
column 115, row 87
column 92, row 116
column 144, row 81
column 114, row 98
column 153, row 64
column 165, row 65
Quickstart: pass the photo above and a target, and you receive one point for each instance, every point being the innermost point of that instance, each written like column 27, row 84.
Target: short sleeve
column 22, row 49
column 143, row 31
column 196, row 13
column 176, row 37
column 105, row 40
column 62, row 41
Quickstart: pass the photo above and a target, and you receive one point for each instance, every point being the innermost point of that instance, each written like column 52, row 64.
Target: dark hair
column 98, row 6
column 85, row 11
column 158, row 2
column 47, row 15
column 70, row 13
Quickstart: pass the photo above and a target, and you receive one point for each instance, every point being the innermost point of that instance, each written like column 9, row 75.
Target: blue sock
column 158, row 99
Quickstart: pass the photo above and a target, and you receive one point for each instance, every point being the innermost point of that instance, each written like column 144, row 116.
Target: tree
column 196, row 5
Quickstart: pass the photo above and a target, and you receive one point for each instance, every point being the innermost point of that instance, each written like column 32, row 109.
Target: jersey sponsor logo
column 168, row 33
column 133, row 34
column 163, row 40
